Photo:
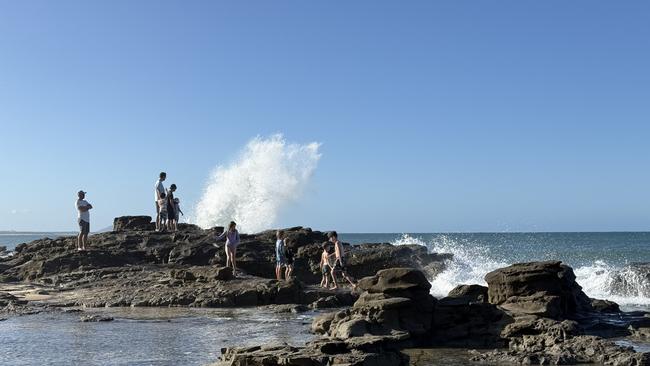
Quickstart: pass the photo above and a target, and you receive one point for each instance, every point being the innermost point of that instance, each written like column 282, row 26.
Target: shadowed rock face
column 133, row 223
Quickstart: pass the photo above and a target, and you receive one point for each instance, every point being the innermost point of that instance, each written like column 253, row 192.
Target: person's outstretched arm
column 220, row 237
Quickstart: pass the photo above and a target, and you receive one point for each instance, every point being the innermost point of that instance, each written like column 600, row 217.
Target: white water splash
column 469, row 265
column 252, row 190
column 407, row 239
column 623, row 285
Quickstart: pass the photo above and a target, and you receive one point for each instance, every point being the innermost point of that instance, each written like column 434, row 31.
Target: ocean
column 11, row 239
column 605, row 264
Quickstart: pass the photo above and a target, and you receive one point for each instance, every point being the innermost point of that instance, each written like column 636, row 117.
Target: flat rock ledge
column 530, row 313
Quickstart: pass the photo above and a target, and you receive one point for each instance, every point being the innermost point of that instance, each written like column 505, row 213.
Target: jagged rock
column 471, row 293
column 183, row 275
column 461, row 322
column 395, row 301
column 605, row 306
column 326, row 303
column 133, row 223
column 542, row 350
column 223, row 274
column 538, row 288
column 407, row 282
column 7, row 298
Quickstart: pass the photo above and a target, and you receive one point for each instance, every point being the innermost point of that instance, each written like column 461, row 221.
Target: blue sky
column 433, row 116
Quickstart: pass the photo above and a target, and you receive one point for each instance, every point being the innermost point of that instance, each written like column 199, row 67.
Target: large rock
column 539, row 288
column 407, row 282
column 133, row 223
column 471, row 293
column 461, row 322
column 396, row 303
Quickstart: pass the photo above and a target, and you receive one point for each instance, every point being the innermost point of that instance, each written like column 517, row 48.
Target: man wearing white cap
column 83, row 218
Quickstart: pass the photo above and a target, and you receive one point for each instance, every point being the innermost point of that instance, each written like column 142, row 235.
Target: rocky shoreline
column 136, row 266
column 530, row 313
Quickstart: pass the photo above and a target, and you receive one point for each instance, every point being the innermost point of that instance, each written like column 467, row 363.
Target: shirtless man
column 339, row 264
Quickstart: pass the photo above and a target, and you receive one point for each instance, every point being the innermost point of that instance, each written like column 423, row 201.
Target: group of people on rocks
column 167, row 216
column 331, row 262
column 168, row 208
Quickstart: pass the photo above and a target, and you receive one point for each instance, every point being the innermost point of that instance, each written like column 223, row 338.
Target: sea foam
column 268, row 174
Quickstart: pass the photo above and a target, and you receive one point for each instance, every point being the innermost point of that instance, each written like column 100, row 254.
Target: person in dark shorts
column 83, row 219
column 339, row 263
column 280, row 259
column 288, row 255
column 171, row 208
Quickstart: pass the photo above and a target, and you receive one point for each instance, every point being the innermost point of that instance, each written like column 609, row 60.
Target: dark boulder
column 133, row 223
column 605, row 306
column 538, row 288
column 471, row 293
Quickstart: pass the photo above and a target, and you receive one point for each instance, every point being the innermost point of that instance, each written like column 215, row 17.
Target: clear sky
column 433, row 116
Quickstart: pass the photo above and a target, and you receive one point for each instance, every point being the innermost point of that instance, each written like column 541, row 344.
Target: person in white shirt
column 159, row 189
column 83, row 219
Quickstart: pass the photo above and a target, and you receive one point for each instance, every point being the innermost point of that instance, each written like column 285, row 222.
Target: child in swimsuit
column 325, row 265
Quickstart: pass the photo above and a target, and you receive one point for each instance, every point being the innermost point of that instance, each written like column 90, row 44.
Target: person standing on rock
column 171, row 208
column 83, row 219
column 232, row 241
column 339, row 264
column 159, row 189
column 162, row 211
column 288, row 255
column 325, row 266
column 280, row 259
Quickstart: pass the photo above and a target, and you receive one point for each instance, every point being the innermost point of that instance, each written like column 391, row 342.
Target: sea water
column 144, row 336
column 604, row 263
